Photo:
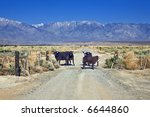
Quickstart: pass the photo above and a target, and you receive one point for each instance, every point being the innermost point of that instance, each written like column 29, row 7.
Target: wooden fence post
column 47, row 55
column 17, row 67
column 38, row 58
column 26, row 64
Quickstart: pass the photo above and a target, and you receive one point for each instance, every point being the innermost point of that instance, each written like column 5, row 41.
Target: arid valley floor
column 75, row 83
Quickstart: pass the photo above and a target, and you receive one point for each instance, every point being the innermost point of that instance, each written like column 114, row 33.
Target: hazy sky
column 104, row 11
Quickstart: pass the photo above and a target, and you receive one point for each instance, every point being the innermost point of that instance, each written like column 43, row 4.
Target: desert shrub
column 32, row 60
column 43, row 63
column 53, row 49
column 7, row 69
column 130, row 61
column 6, row 65
column 38, row 69
column 51, row 66
column 43, row 53
column 129, row 55
column 111, row 50
column 24, row 72
column 32, row 69
column 101, row 52
column 45, row 69
column 119, row 64
column 142, row 54
column 111, row 61
column 148, row 61
column 39, row 63
column 24, row 53
column 47, row 65
column 132, row 65
column 108, row 63
column 55, row 63
column 11, row 69
column 36, row 63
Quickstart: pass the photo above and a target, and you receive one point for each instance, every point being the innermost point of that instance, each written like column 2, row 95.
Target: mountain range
column 15, row 32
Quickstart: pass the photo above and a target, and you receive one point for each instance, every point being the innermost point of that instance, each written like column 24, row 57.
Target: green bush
column 51, row 66
column 111, row 61
column 55, row 63
column 24, row 53
column 119, row 64
column 108, row 63
column 36, row 63
column 41, row 62
column 11, row 69
column 43, row 53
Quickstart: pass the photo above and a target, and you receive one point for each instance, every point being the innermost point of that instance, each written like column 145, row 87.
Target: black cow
column 67, row 56
column 87, row 54
column 90, row 60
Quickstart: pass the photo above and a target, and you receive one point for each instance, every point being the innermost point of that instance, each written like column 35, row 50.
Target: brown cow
column 90, row 60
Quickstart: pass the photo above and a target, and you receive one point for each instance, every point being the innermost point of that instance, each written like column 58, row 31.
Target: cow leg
column 67, row 62
column 97, row 63
column 92, row 66
column 84, row 65
column 73, row 61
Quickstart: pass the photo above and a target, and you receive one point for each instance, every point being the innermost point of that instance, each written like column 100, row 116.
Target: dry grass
column 130, row 55
column 148, row 62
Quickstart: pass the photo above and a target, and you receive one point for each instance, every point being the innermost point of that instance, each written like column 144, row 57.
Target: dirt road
column 72, row 82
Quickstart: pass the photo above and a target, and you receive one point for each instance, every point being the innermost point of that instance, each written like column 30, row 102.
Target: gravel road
column 72, row 82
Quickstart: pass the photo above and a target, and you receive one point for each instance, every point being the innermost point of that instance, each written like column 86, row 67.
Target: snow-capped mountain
column 15, row 32
column 95, row 31
column 5, row 21
column 38, row 25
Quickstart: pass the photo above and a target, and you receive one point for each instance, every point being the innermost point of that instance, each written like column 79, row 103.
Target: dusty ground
column 72, row 82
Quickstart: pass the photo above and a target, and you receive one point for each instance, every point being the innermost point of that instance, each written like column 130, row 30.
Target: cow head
column 55, row 52
column 87, row 54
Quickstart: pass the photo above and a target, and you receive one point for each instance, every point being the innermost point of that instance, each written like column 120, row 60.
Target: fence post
column 47, row 55
column 38, row 58
column 26, row 64
column 17, row 67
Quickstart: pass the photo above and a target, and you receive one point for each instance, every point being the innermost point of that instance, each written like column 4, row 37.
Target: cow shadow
column 67, row 64
column 88, row 66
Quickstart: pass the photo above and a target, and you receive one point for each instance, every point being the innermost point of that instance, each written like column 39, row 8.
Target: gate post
column 17, row 67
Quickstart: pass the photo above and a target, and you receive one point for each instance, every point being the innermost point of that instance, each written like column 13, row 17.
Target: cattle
column 87, row 54
column 67, row 56
column 90, row 60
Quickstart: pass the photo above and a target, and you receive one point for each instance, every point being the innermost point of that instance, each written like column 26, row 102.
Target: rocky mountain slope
column 15, row 32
